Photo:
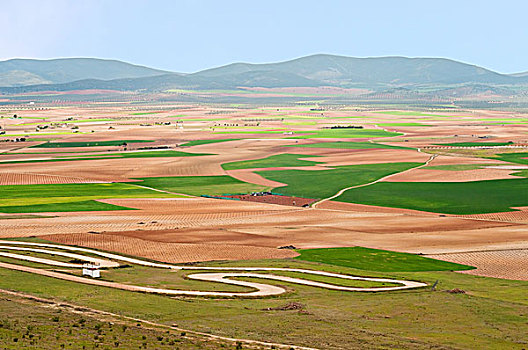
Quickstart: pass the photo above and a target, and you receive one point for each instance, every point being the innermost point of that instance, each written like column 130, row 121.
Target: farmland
column 67, row 197
column 199, row 185
column 450, row 198
column 347, row 145
column 327, row 310
column 88, row 144
column 376, row 260
column 280, row 160
column 328, row 182
column 365, row 196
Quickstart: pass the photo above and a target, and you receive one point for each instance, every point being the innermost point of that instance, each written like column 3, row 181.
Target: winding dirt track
column 260, row 289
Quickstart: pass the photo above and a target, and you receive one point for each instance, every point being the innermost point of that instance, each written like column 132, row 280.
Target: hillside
column 341, row 70
column 377, row 73
column 18, row 72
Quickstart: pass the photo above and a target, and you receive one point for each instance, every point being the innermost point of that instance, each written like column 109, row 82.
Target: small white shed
column 91, row 270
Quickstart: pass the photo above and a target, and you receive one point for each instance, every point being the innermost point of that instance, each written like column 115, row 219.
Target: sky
column 187, row 36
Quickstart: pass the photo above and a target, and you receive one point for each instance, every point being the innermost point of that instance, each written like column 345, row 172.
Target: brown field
column 509, row 264
column 170, row 252
column 194, row 229
column 426, row 175
column 38, row 179
column 274, row 199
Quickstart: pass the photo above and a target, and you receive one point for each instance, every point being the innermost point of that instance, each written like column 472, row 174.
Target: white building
column 91, row 270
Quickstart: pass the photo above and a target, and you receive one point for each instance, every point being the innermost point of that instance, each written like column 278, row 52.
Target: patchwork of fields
column 256, row 200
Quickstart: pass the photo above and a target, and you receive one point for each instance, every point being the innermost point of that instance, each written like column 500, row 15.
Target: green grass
column 68, row 197
column 475, row 144
column 457, row 167
column 347, row 145
column 90, row 205
column 251, row 132
column 279, row 160
column 520, row 158
column 299, row 123
column 11, row 217
column 415, row 114
column 29, row 324
column 325, row 183
column 377, row 260
column 87, row 143
column 474, row 197
column 344, row 133
column 521, row 173
column 205, row 142
column 200, row 185
column 402, row 124
column 492, row 315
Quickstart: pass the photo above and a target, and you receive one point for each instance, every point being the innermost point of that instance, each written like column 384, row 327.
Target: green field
column 299, row 123
column 344, row 133
column 415, row 114
column 87, row 143
column 68, row 197
column 401, row 124
column 325, row 183
column 520, row 158
column 205, row 142
column 457, row 167
column 377, row 260
column 279, row 160
column 348, row 145
column 88, row 205
column 251, row 132
column 200, row 185
column 474, row 197
column 475, row 144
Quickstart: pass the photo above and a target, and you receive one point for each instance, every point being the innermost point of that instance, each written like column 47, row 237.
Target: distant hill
column 522, row 74
column 377, row 73
column 18, row 72
column 341, row 70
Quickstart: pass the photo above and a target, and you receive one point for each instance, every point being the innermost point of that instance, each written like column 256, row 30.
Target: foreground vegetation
column 29, row 324
column 491, row 314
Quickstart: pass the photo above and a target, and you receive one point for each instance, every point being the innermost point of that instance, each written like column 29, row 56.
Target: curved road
column 259, row 289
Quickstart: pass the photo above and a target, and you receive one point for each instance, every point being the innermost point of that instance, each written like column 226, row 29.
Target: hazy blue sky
column 188, row 36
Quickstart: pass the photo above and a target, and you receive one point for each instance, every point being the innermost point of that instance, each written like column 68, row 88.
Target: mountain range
column 376, row 73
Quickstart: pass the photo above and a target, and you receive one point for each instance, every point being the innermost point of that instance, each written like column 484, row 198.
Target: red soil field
column 170, row 252
column 274, row 199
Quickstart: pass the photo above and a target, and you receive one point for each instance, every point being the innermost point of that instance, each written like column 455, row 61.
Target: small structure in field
column 91, row 270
